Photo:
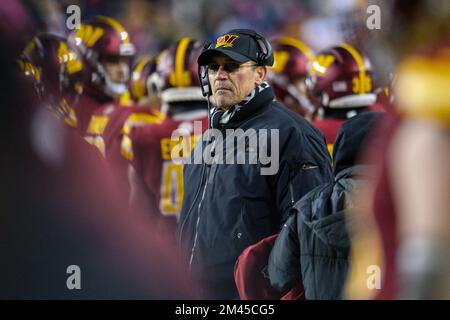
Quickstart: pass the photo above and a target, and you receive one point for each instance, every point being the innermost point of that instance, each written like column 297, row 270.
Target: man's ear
column 260, row 74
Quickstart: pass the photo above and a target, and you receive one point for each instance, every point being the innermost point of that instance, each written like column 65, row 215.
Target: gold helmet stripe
column 180, row 79
column 360, row 62
column 137, row 87
column 141, row 64
column 116, row 25
column 296, row 44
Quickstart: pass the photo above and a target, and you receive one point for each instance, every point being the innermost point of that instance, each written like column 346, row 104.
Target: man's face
column 117, row 68
column 232, row 82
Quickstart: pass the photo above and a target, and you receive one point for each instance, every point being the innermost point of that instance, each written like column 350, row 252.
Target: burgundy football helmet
column 56, row 70
column 288, row 74
column 177, row 72
column 341, row 78
column 141, row 86
column 102, row 39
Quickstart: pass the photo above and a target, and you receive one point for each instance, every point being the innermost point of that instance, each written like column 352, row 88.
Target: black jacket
column 314, row 245
column 228, row 207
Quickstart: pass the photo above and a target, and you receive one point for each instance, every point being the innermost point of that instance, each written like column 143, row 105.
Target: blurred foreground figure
column 54, row 68
column 402, row 248
column 59, row 208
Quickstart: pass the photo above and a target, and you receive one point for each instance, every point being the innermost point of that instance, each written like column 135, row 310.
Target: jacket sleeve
column 304, row 164
column 284, row 260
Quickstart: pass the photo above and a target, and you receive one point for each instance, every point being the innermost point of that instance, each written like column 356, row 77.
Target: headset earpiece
column 203, row 75
column 204, row 81
column 265, row 56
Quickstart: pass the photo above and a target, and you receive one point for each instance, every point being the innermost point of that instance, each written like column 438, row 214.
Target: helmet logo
column 226, row 40
column 280, row 60
column 68, row 57
column 321, row 64
column 28, row 68
column 68, row 113
column 89, row 34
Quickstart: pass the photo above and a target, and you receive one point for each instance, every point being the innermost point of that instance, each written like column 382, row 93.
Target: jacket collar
column 256, row 101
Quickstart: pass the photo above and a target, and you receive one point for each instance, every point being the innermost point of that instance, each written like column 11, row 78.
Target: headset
column 265, row 55
column 204, row 81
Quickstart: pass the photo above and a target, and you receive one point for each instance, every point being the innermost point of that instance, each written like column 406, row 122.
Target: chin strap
column 114, row 89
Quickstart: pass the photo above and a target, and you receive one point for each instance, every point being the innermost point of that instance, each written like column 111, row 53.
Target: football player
column 107, row 53
column 156, row 172
column 340, row 84
column 288, row 73
column 142, row 88
column 56, row 71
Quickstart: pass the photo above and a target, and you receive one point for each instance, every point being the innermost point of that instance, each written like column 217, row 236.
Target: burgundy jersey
column 84, row 109
column 157, row 159
column 384, row 210
column 382, row 107
column 374, row 245
column 106, row 129
column 329, row 127
column 87, row 106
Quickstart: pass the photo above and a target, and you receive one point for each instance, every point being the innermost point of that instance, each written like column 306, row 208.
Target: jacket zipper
column 194, row 245
column 197, row 224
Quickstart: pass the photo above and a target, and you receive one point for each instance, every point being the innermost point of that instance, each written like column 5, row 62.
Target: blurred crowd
column 153, row 25
column 124, row 91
